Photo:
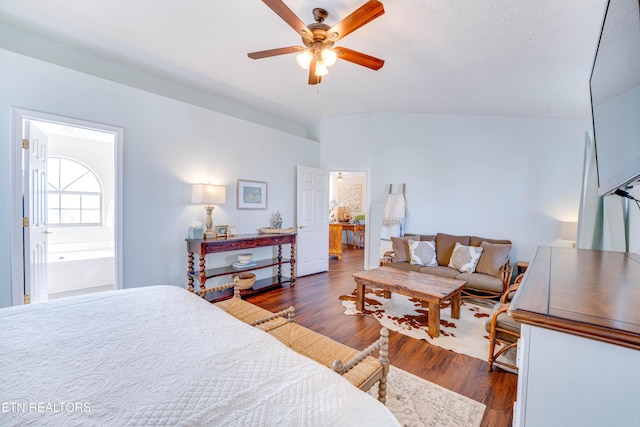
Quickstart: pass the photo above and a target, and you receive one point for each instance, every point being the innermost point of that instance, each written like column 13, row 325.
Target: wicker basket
column 244, row 280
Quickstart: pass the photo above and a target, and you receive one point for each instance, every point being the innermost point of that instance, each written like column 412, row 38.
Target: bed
column 162, row 356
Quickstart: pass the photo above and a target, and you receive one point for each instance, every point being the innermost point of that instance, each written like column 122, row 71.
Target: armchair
column 504, row 332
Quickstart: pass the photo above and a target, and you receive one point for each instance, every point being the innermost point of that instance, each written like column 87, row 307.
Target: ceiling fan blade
column 275, row 52
column 358, row 58
column 289, row 17
column 313, row 79
column 361, row 16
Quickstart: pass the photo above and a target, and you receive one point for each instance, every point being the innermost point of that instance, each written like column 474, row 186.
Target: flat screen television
column 615, row 97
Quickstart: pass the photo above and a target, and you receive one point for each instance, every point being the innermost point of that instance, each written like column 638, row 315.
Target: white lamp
column 569, row 232
column 208, row 194
column 321, row 69
column 329, row 57
column 304, row 59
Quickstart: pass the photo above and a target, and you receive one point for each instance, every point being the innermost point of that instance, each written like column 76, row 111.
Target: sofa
column 482, row 262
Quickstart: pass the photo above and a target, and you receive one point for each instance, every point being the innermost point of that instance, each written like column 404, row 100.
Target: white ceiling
column 497, row 57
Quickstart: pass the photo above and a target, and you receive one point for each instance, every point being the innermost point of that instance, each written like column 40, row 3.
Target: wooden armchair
column 504, row 332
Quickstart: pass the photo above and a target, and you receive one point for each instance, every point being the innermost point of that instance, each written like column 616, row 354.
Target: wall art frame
column 351, row 196
column 251, row 194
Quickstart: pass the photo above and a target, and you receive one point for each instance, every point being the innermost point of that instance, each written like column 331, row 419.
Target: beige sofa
column 483, row 263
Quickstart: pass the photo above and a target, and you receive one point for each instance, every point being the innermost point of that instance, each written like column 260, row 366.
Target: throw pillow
column 445, row 244
column 400, row 249
column 465, row 258
column 422, row 253
column 477, row 241
column 493, row 257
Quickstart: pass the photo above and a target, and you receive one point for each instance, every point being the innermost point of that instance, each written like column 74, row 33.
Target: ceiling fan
column 318, row 39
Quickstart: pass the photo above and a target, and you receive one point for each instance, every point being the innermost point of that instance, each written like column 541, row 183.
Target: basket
column 244, row 280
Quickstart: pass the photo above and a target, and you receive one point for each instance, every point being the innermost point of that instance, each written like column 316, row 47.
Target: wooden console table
column 335, row 240
column 242, row 242
column 358, row 232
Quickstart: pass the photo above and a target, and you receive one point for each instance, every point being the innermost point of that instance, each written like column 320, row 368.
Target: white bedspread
column 162, row 356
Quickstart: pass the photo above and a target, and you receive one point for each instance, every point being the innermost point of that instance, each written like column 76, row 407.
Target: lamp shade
column 569, row 231
column 304, row 59
column 208, row 194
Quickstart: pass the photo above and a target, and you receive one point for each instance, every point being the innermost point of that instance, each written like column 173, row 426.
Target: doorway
column 71, row 239
column 348, row 203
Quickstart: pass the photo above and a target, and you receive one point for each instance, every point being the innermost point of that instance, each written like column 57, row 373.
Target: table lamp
column 208, row 195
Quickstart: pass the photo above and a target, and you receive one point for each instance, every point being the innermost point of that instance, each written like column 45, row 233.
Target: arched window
column 74, row 193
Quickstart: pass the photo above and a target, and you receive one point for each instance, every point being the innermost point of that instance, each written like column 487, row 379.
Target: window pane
column 69, row 172
column 87, row 183
column 53, row 201
column 70, row 201
column 53, row 173
column 90, row 216
column 53, row 217
column 75, row 193
column 70, row 216
column 90, row 201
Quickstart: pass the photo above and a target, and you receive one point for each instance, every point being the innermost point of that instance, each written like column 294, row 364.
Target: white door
column 312, row 214
column 35, row 210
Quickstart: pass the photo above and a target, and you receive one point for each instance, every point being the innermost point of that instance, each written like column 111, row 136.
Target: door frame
column 16, row 183
column 366, row 209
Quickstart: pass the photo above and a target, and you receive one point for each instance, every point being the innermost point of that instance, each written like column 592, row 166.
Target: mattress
column 161, row 355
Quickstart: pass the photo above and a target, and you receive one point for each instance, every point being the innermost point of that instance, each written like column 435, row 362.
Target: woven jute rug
column 418, row 402
column 406, row 315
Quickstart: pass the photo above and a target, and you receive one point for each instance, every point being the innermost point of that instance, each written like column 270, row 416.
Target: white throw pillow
column 422, row 252
column 465, row 258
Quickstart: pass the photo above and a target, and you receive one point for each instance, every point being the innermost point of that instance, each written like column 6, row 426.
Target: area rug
column 418, row 402
column 406, row 315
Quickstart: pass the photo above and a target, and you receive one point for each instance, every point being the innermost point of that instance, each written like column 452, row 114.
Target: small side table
column 521, row 267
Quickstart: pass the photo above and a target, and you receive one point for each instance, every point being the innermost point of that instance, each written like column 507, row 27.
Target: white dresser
column 578, row 353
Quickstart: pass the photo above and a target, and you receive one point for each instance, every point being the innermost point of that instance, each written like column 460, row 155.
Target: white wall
column 497, row 177
column 168, row 145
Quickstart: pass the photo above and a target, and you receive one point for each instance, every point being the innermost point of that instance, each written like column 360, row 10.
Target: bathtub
column 72, row 268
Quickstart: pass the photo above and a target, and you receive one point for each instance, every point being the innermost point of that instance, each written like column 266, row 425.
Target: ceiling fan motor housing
column 319, row 30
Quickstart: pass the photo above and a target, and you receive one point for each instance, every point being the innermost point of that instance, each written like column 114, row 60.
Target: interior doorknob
column 301, row 226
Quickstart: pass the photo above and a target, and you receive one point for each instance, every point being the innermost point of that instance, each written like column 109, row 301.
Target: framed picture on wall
column 351, row 196
column 251, row 194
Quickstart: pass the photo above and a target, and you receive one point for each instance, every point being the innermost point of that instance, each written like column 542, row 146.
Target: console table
column 579, row 348
column 242, row 242
column 358, row 233
column 335, row 240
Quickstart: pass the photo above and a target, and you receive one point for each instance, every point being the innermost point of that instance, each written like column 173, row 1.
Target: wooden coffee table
column 426, row 287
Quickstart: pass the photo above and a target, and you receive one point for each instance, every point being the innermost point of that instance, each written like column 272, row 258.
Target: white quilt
column 162, row 356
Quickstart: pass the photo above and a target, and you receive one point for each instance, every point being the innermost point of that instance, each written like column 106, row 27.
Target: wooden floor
column 317, row 306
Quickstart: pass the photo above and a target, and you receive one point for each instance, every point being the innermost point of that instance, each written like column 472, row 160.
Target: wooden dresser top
column 595, row 294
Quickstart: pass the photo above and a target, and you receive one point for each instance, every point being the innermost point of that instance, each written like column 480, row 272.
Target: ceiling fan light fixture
column 329, row 57
column 304, row 59
column 318, row 39
column 321, row 69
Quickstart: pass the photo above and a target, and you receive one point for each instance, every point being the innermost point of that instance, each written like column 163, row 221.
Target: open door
column 312, row 215
column 35, row 214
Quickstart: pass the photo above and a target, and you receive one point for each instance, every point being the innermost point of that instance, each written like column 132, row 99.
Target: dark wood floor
column 317, row 306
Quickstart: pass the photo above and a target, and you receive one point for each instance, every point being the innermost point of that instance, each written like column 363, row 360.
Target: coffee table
column 431, row 289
